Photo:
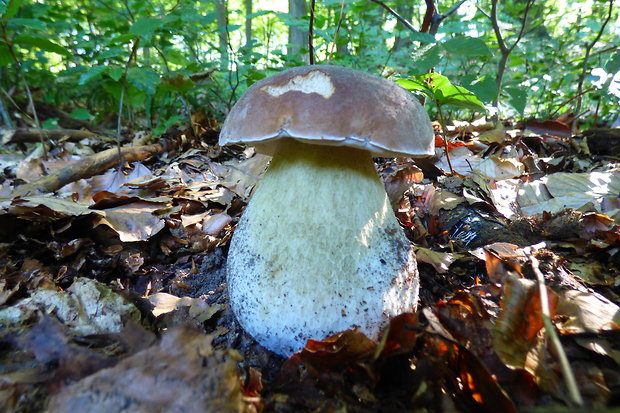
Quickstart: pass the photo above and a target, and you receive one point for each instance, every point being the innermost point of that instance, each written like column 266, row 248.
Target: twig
column 442, row 121
column 398, row 16
column 569, row 377
column 311, row 34
column 504, row 49
column 335, row 43
column 23, row 135
column 584, row 67
column 439, row 18
column 89, row 166
column 6, row 118
column 21, row 73
column 566, row 102
column 132, row 53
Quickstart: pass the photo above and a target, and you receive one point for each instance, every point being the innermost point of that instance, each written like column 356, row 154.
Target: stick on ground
column 87, row 167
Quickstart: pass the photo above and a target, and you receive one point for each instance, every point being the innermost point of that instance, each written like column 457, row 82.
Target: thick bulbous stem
column 319, row 250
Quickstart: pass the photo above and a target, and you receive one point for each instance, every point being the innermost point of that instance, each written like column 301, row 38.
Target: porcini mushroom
column 318, row 249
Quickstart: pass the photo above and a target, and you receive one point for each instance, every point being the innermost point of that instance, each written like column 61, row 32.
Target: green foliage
column 442, row 91
column 86, row 55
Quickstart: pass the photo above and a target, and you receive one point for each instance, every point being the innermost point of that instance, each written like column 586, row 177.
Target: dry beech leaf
column 338, row 350
column 86, row 307
column 441, row 261
column 181, row 373
column 133, row 222
column 516, row 331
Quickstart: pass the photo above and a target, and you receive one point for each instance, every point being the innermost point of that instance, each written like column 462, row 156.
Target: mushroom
column 318, row 248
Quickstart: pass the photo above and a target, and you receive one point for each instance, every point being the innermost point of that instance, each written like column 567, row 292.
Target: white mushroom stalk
column 319, row 250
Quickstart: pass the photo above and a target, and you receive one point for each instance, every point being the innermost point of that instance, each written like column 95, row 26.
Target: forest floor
column 113, row 294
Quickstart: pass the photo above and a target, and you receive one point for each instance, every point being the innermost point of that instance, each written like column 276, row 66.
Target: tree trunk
column 404, row 9
column 248, row 22
column 297, row 36
column 221, row 8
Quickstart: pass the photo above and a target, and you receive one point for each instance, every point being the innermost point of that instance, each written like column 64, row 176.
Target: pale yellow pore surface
column 318, row 250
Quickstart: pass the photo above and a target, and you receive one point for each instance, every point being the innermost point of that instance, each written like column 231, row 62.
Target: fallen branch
column 567, row 373
column 90, row 166
column 24, row 135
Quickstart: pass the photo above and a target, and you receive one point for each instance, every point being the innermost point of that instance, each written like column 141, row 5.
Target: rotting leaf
column 337, row 351
column 87, row 307
column 441, row 261
column 465, row 377
column 133, row 222
column 516, row 331
column 180, row 373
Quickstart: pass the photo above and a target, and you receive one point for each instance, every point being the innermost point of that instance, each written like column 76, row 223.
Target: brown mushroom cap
column 331, row 105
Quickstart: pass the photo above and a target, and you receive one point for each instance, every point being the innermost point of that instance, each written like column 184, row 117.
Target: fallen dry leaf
column 181, row 373
column 87, row 307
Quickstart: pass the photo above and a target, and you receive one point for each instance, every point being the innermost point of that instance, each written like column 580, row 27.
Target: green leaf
column 11, row 8
column 144, row 79
column 81, row 114
column 161, row 128
column 50, row 123
column 258, row 14
column 115, row 73
column 442, row 91
column 112, row 52
column 5, row 55
column 93, row 73
column 43, row 44
column 179, row 83
column 613, row 65
column 466, row 47
column 460, row 97
column 34, row 24
column 518, row 98
column 422, row 37
column 426, row 57
column 145, row 26
column 484, row 87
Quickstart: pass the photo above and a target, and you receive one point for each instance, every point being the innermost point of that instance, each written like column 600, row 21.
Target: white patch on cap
column 314, row 82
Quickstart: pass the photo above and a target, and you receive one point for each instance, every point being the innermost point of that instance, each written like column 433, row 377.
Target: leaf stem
column 569, row 377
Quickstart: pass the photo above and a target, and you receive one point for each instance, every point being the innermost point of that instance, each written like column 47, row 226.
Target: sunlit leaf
column 34, row 24
column 144, row 79
column 81, row 114
column 93, row 73
column 11, row 7
column 484, row 87
column 5, row 55
column 145, row 26
column 518, row 98
column 43, row 44
column 426, row 57
column 466, row 46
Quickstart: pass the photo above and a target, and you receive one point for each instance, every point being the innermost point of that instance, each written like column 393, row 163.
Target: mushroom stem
column 319, row 250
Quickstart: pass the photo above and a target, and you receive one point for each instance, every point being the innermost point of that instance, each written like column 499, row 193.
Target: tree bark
column 297, row 36
column 403, row 9
column 221, row 9
column 90, row 166
column 248, row 23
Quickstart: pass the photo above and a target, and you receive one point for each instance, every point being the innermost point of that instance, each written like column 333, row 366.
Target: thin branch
column 90, row 166
column 6, row 118
column 134, row 50
column 398, row 16
column 335, row 43
column 431, row 12
column 439, row 18
column 311, row 33
column 584, row 67
column 569, row 377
